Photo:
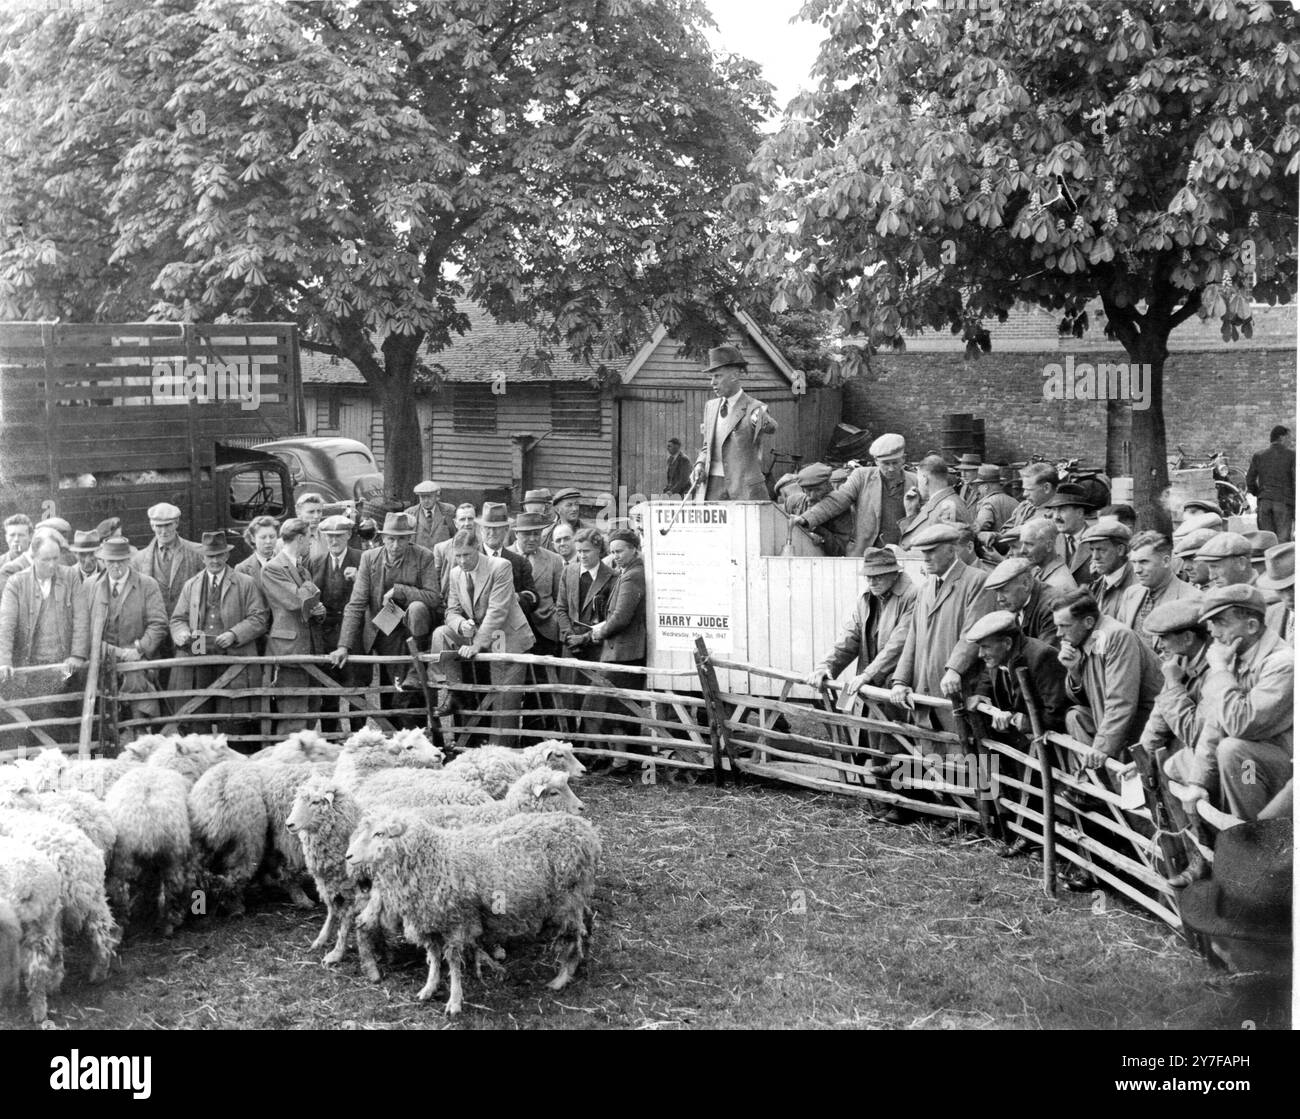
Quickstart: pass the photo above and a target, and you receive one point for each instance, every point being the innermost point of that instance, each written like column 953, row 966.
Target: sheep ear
column 329, row 798
column 539, row 790
column 549, row 752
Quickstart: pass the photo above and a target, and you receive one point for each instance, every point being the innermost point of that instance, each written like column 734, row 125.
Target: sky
column 761, row 30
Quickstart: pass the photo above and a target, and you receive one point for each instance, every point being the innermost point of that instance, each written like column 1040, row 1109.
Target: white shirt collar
column 944, row 576
column 1115, row 577
column 46, row 586
column 732, row 399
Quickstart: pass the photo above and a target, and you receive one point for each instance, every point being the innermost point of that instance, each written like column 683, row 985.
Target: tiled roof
column 486, row 349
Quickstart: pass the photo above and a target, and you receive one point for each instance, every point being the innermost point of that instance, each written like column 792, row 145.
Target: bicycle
column 1229, row 482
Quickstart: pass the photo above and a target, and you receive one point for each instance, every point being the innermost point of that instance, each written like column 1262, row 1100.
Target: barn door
column 648, row 418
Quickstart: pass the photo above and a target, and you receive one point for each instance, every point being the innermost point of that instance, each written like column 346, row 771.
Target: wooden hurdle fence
column 947, row 763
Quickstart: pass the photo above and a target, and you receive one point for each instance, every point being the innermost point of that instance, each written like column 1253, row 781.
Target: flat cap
column 162, row 512
column 427, row 487
column 1198, row 521
column 337, row 523
column 1261, row 542
column 1205, row 505
column 1279, row 568
column 879, row 561
column 1007, row 570
column 58, row 524
column 565, row 494
column 538, row 497
column 888, row 444
column 814, row 474
column 993, row 624
column 1108, row 528
column 935, row 535
column 1219, row 599
column 1224, row 544
column 1192, row 543
column 840, row 475
column 1170, row 617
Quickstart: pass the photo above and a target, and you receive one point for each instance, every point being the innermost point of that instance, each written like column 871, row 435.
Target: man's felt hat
column 115, row 548
column 214, row 543
column 1248, row 894
column 85, row 542
column 1068, row 494
column 879, row 561
column 722, row 356
column 400, row 524
column 1279, row 568
column 493, row 516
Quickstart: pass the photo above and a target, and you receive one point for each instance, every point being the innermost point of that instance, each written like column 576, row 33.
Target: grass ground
column 728, row 908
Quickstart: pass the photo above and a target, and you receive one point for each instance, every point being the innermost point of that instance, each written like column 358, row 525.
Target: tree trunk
column 1119, row 434
column 1150, row 463
column 403, row 447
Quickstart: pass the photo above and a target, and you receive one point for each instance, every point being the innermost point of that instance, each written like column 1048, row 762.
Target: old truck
column 106, row 420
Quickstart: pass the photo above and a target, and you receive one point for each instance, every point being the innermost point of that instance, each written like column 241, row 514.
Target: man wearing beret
column 1279, row 579
column 169, row 560
column 874, row 493
column 942, row 505
column 1152, row 557
column 1181, row 642
column 1243, row 755
column 1226, row 556
column 994, row 506
column 934, row 656
column 1108, row 540
column 435, row 520
column 1015, row 586
column 729, row 466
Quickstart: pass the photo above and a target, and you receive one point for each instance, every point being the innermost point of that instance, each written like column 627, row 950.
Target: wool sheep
column 72, row 806
column 417, row 788
column 323, row 818
column 520, row 878
column 228, row 830
column 302, row 746
column 83, row 905
column 54, row 771
column 495, row 767
column 369, row 751
column 191, row 756
column 538, row 790
column 31, row 942
column 151, row 858
column 284, row 865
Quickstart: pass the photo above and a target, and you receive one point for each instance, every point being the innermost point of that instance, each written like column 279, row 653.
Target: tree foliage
column 958, row 158
column 357, row 167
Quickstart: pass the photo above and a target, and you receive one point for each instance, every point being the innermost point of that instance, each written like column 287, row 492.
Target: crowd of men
column 1183, row 642
column 456, row 580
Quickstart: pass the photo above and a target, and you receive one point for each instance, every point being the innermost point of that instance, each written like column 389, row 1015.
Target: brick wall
column 1226, row 399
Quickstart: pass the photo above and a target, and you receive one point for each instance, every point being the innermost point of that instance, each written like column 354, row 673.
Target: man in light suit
column 482, row 604
column 296, row 614
column 227, row 609
column 43, row 621
column 734, row 424
column 435, row 520
column 874, row 493
column 444, row 562
column 400, row 572
column 942, row 504
column 169, row 560
column 127, row 615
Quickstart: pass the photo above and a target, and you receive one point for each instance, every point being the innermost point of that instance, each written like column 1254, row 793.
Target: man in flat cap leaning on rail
column 729, row 466
column 874, row 493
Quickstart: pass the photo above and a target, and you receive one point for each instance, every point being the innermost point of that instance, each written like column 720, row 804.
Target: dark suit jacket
column 678, row 479
column 443, row 527
column 334, row 599
column 20, row 603
column 415, row 578
column 1271, row 476
column 187, row 561
column 624, row 639
column 591, row 609
column 1003, row 689
column 523, row 579
column 1036, row 615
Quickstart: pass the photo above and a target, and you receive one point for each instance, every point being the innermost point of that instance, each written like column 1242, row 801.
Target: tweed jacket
column 862, row 493
column 494, row 607
column 624, row 626
column 943, row 507
column 591, row 609
column 875, row 632
column 187, row 561
column 1130, row 602
column 1176, row 718
column 414, row 578
column 1108, row 598
column 434, row 528
column 243, row 612
column 1251, row 700
column 252, row 567
column 741, row 452
column 547, row 568
column 291, row 629
column 140, row 613
column 20, row 606
column 933, row 641
column 1118, row 681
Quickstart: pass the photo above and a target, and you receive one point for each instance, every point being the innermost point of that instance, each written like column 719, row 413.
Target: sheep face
column 560, row 757
column 554, row 795
column 414, row 749
column 371, row 840
column 313, row 802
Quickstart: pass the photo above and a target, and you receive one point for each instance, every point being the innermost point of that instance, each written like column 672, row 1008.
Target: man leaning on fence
column 1243, row 756
column 43, row 621
column 127, row 615
column 874, row 493
column 1182, row 642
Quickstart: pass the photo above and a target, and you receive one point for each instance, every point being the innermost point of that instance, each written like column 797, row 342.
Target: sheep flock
column 459, row 860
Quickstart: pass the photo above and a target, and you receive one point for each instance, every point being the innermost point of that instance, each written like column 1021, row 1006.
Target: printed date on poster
column 693, row 577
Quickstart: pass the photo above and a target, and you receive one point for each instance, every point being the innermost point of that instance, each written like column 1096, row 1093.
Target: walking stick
column 88, row 700
column 685, row 498
column 1035, row 708
column 972, row 743
column 433, row 725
